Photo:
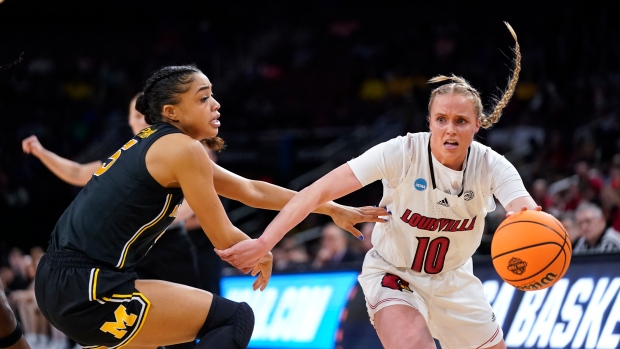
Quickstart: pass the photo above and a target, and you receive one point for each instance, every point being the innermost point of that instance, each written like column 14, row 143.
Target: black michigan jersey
column 122, row 210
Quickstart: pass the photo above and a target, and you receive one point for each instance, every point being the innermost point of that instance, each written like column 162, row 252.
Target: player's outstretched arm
column 69, row 171
column 333, row 185
column 265, row 195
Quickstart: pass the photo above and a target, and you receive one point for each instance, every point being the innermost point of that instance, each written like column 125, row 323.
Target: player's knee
column 239, row 317
column 244, row 324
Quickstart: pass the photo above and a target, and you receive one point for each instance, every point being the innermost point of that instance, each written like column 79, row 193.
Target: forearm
column 272, row 197
column 216, row 225
column 265, row 195
column 225, row 238
column 67, row 170
column 297, row 209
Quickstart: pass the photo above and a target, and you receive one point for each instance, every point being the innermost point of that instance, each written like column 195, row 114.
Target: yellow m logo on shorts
column 119, row 328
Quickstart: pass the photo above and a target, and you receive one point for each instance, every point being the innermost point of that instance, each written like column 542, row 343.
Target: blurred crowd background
column 304, row 86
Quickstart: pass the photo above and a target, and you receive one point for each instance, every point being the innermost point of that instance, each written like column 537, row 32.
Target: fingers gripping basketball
column 531, row 250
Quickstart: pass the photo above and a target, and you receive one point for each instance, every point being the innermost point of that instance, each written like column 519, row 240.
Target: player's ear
column 478, row 124
column 170, row 112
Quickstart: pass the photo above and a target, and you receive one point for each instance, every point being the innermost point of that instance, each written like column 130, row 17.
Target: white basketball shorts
column 453, row 302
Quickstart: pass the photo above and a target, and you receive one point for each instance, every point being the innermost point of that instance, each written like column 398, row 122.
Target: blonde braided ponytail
column 502, row 102
column 462, row 86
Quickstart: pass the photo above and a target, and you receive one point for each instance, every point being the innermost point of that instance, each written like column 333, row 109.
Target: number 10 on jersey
column 430, row 254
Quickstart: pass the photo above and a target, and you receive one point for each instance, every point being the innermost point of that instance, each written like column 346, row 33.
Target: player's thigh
column 384, row 285
column 462, row 316
column 176, row 314
column 402, row 326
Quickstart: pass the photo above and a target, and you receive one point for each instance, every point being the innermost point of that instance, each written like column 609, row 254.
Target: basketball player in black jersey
column 174, row 258
column 164, row 261
column 85, row 284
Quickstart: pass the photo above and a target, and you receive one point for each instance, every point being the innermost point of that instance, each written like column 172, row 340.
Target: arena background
column 304, row 86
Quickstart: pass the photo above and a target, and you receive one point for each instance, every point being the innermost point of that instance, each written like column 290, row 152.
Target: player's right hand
column 510, row 213
column 31, row 145
column 346, row 217
column 263, row 269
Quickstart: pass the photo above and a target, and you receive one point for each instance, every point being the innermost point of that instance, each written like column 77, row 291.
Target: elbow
column 81, row 179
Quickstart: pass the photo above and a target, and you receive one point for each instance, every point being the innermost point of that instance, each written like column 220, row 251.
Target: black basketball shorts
column 93, row 305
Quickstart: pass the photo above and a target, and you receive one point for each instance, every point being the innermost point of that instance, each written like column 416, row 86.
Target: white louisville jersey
column 433, row 229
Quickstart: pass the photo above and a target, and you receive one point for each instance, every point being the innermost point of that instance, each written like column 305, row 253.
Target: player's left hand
column 524, row 208
column 244, row 255
column 346, row 217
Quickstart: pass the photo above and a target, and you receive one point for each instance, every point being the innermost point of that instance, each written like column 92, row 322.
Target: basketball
column 531, row 250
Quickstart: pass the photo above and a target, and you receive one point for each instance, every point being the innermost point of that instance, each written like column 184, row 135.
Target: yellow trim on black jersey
column 92, row 284
column 161, row 215
column 95, row 283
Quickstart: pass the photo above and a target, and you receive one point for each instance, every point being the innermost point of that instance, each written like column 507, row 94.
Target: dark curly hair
column 164, row 87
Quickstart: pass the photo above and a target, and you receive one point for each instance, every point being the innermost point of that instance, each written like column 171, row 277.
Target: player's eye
column 204, row 98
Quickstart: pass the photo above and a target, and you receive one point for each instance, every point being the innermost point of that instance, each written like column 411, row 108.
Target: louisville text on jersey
column 419, row 221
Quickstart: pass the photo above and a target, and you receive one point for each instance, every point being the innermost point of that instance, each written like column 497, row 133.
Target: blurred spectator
column 37, row 330
column 572, row 196
column 298, row 257
column 590, row 181
column 290, row 255
column 614, row 173
column 21, row 268
column 585, row 185
column 6, row 276
column 334, row 250
column 595, row 238
column 280, row 259
column 568, row 221
column 540, row 194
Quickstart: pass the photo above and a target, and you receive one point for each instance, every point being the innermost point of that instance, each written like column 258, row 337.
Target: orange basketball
column 531, row 250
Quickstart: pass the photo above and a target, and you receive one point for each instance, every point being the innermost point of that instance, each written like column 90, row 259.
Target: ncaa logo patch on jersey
column 420, row 184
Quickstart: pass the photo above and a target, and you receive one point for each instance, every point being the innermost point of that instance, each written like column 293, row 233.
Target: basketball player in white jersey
column 438, row 185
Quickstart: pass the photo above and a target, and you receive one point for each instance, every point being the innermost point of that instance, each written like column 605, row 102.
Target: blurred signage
column 582, row 310
column 295, row 310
